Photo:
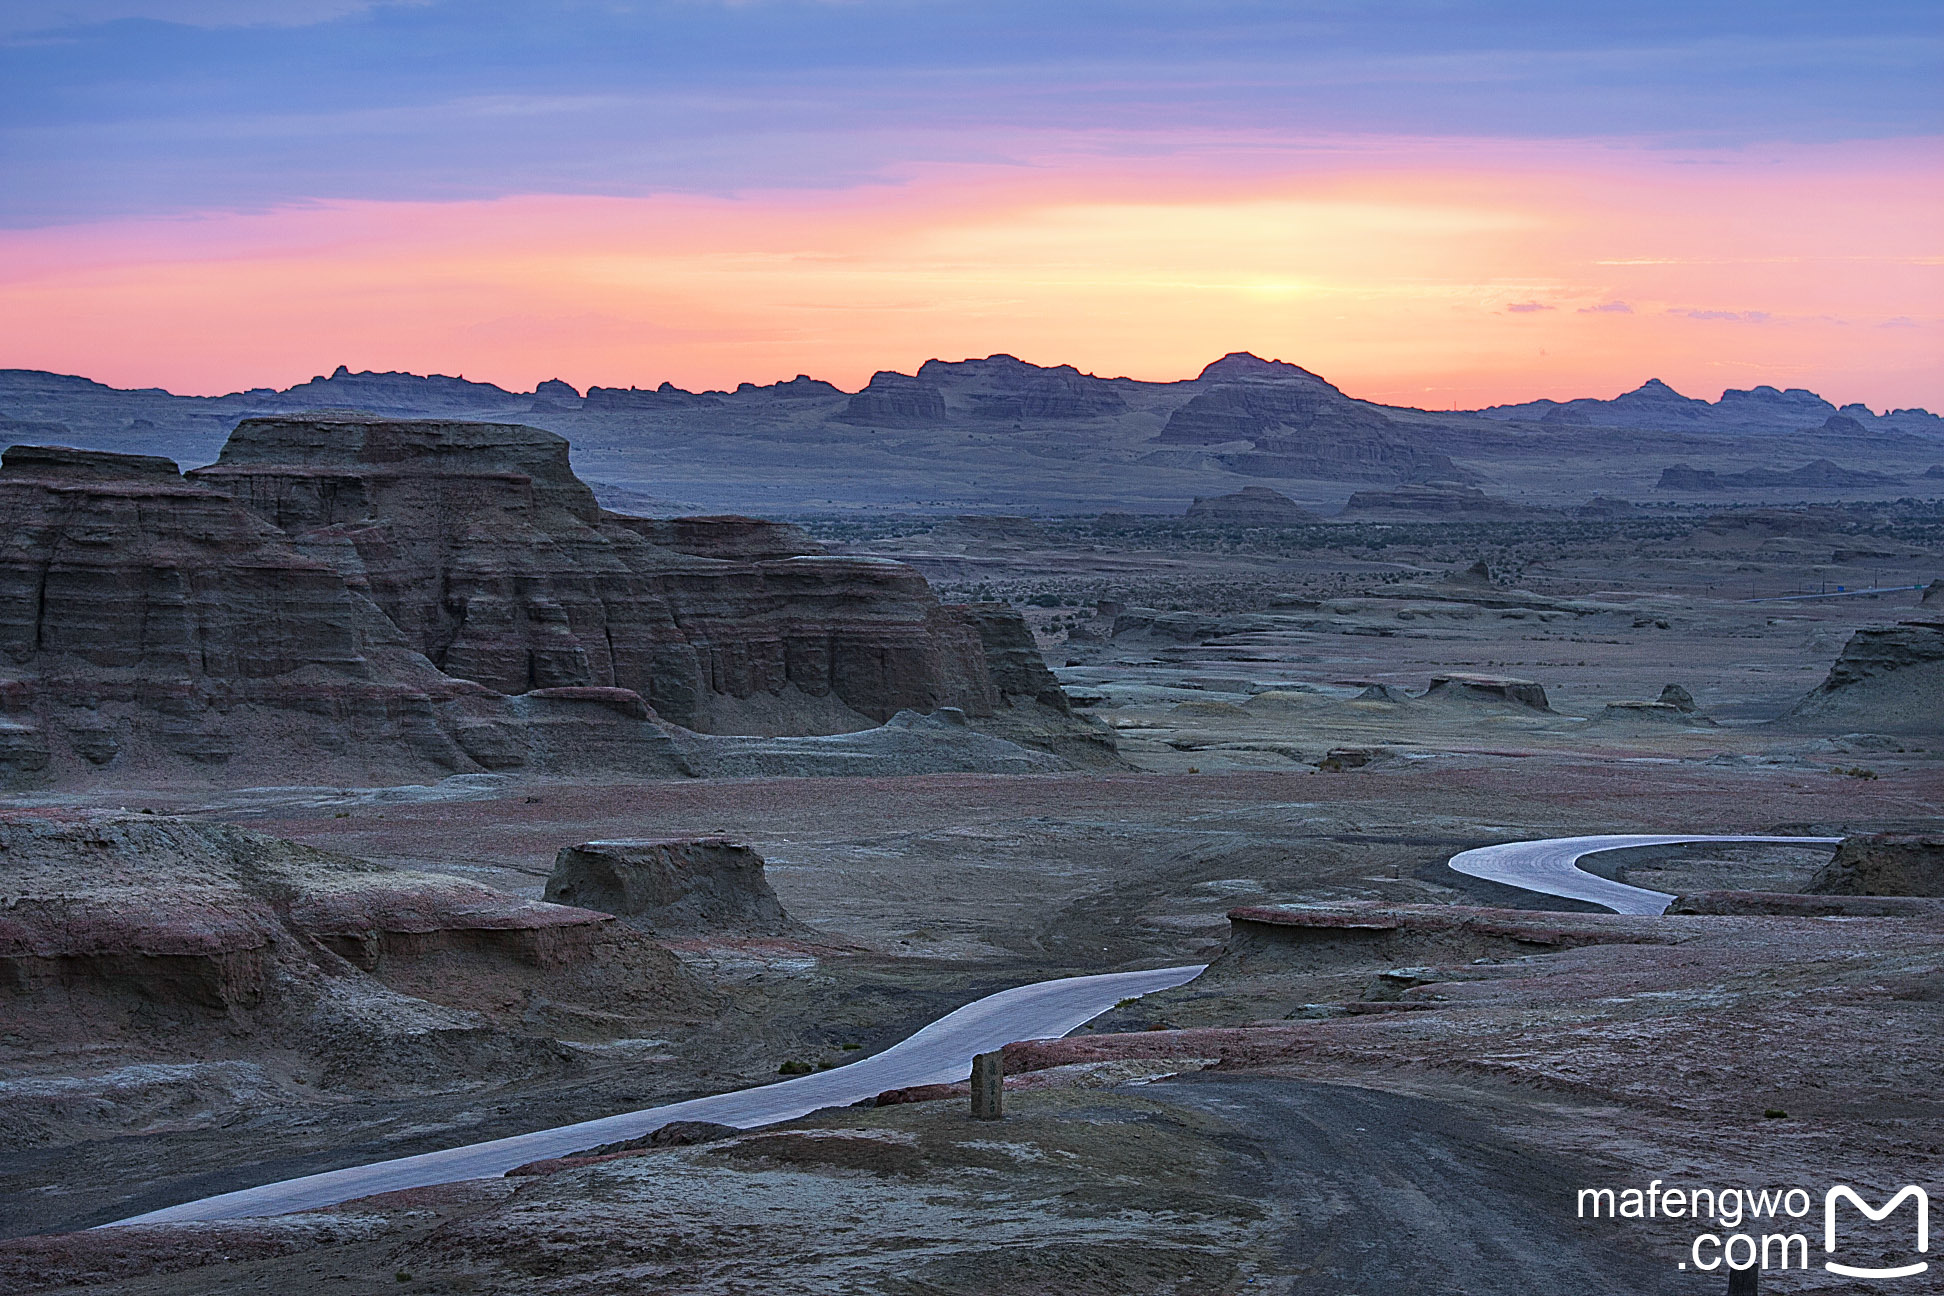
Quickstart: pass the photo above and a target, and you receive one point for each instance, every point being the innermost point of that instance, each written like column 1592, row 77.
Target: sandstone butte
column 349, row 597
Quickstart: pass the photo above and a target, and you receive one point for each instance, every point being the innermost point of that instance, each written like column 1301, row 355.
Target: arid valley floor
column 1264, row 734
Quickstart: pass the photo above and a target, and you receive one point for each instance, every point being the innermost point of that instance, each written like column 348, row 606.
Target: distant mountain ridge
column 1655, row 404
column 1003, row 434
column 1002, row 378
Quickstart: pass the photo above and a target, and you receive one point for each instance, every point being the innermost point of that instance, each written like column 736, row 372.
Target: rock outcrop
column 1488, row 691
column 353, row 598
column 672, row 886
column 1884, row 864
column 1251, row 506
column 1298, row 425
column 895, row 400
column 1889, row 679
column 494, row 561
column 1818, row 475
column 145, row 620
column 150, row 932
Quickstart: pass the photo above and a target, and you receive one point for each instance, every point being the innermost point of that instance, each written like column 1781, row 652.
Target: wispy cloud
column 1739, row 317
column 1607, row 308
column 1527, row 308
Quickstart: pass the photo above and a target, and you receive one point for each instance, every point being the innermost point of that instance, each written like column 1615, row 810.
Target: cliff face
column 1888, row 678
column 1299, row 425
column 146, row 618
column 493, row 561
column 350, row 599
column 150, row 933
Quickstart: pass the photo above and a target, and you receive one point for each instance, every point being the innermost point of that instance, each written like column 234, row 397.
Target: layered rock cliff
column 1888, row 679
column 152, row 934
column 1298, row 425
column 350, row 597
column 493, row 560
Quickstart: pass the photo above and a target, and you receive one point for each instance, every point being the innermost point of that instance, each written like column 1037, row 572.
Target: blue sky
column 113, row 108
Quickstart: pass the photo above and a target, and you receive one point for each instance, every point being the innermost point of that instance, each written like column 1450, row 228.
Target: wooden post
column 988, row 1084
column 1742, row 1282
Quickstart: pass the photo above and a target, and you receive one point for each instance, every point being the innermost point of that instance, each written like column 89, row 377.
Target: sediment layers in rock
column 1888, row 679
column 1298, row 425
column 672, row 886
column 493, row 561
column 145, row 618
column 154, row 932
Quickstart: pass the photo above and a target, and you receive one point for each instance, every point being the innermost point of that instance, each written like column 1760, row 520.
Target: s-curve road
column 1551, row 867
column 937, row 1053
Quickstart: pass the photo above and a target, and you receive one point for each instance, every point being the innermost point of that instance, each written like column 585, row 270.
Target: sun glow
column 1425, row 277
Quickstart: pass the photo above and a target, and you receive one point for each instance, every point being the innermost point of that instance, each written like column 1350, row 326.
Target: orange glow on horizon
column 1396, row 278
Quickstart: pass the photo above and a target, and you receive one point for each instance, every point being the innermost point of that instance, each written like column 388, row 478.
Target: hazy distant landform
column 1003, row 434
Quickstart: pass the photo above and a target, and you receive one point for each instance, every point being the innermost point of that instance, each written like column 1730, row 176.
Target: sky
column 1432, row 203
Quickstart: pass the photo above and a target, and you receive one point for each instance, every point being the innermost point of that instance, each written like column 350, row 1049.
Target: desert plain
column 301, row 744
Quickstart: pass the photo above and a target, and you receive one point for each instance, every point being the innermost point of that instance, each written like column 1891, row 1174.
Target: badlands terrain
column 405, row 776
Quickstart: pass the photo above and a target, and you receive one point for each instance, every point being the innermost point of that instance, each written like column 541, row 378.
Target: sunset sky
column 1429, row 203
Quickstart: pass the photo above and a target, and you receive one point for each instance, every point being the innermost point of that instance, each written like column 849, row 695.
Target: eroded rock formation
column 672, row 886
column 146, row 618
column 1250, row 506
column 349, row 597
column 494, row 561
column 1889, row 679
column 1884, row 864
column 139, row 930
column 1298, row 425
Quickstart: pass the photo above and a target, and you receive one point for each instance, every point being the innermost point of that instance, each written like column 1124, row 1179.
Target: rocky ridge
column 157, row 937
column 353, row 596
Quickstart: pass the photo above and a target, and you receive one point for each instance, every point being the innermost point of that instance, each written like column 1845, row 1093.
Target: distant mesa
column 1819, row 474
column 1653, row 403
column 388, row 392
column 555, row 392
column 1434, row 502
column 1934, row 472
column 1242, row 366
column 1250, row 506
column 621, row 400
column 801, row 387
column 1297, row 425
column 895, row 400
column 1003, row 388
column 672, row 886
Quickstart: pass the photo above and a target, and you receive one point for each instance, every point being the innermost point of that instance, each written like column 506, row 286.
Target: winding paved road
column 937, row 1053
column 1551, row 867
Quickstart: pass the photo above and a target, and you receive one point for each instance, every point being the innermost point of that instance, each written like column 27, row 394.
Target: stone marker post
column 1742, row 1282
column 988, row 1084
